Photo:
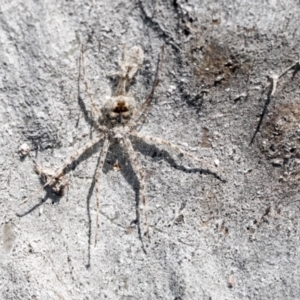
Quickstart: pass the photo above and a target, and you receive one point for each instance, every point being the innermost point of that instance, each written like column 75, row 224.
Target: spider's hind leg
column 96, row 112
column 140, row 115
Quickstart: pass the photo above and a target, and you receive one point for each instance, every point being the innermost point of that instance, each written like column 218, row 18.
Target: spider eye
column 121, row 107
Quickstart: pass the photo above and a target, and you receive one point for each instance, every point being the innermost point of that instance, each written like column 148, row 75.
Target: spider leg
column 140, row 115
column 77, row 154
column 139, row 170
column 96, row 112
column 154, row 140
column 34, row 194
column 60, row 171
column 98, row 173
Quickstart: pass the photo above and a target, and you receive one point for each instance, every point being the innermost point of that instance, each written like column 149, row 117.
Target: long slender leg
column 102, row 157
column 140, row 115
column 77, row 154
column 139, row 170
column 154, row 140
column 35, row 193
column 60, row 171
column 96, row 112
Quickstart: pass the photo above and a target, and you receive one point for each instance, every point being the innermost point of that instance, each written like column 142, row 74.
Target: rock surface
column 210, row 239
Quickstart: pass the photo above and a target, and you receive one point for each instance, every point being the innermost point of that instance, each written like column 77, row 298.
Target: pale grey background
column 239, row 239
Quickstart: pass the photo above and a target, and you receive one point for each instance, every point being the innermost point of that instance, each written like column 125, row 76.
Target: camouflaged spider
column 118, row 120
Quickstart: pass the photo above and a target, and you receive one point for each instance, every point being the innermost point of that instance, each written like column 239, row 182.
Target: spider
column 118, row 120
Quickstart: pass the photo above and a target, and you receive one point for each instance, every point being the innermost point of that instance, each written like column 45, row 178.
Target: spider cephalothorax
column 118, row 110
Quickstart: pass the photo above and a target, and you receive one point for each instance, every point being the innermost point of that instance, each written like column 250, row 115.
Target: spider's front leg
column 139, row 170
column 98, row 173
column 55, row 180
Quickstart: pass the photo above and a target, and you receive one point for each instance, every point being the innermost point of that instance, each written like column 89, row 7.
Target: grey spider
column 118, row 120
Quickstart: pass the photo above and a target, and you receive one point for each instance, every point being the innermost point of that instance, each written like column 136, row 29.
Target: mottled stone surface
column 209, row 239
